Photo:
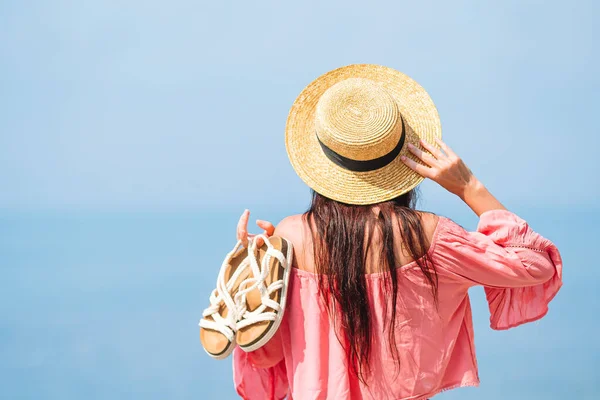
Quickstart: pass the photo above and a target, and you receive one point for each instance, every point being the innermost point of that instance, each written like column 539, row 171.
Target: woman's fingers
column 426, row 158
column 268, row 227
column 449, row 171
column 418, row 168
column 446, row 148
column 242, row 228
column 258, row 241
column 432, row 149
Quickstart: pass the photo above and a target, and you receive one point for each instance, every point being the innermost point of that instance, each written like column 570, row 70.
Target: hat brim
column 328, row 179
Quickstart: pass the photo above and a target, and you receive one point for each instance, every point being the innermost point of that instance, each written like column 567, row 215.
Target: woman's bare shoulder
column 290, row 224
column 429, row 222
column 295, row 229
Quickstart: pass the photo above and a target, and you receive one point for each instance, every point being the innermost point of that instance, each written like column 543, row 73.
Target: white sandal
column 261, row 297
column 218, row 323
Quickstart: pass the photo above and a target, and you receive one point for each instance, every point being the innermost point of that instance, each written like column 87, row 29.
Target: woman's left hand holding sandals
column 242, row 229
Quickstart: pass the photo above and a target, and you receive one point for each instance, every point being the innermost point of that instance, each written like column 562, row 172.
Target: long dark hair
column 342, row 236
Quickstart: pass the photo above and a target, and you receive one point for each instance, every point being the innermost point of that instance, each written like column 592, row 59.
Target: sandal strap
column 222, row 295
column 257, row 282
column 220, row 326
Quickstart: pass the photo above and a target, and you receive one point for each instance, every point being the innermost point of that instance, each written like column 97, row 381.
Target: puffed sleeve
column 520, row 270
column 261, row 374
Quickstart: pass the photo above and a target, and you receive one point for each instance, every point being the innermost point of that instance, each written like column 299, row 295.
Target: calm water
column 106, row 305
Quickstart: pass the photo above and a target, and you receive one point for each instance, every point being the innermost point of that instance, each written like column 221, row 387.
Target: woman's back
column 433, row 347
column 299, row 232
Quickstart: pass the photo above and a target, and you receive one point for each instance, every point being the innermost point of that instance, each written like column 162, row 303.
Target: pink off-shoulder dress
column 520, row 270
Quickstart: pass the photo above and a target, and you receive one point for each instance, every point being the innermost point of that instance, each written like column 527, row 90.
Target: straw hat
column 347, row 130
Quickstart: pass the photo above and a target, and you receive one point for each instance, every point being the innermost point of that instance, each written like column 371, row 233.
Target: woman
column 377, row 302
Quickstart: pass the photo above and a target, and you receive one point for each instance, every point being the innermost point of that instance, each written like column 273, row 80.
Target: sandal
column 218, row 323
column 261, row 298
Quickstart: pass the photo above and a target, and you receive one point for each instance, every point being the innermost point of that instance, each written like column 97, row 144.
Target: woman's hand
column 444, row 168
column 451, row 173
column 242, row 229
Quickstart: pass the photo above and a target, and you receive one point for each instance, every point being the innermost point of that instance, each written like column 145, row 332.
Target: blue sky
column 132, row 134
column 148, row 105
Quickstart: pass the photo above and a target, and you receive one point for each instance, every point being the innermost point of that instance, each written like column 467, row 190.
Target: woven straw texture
column 363, row 126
